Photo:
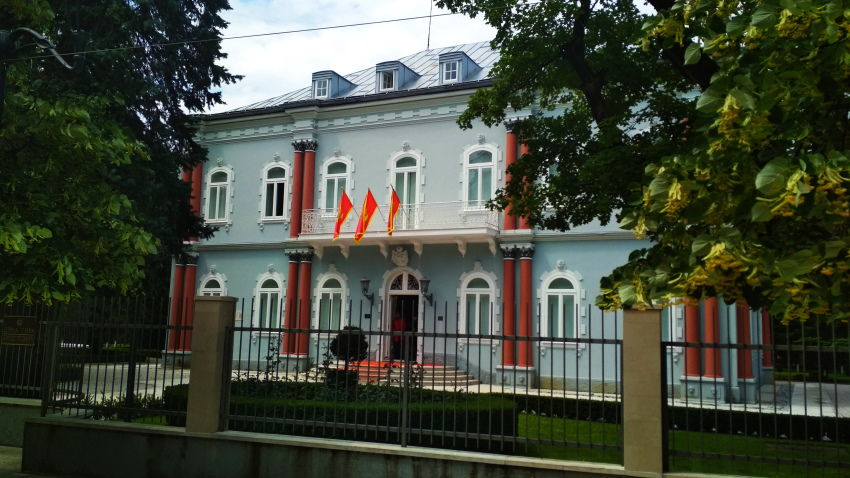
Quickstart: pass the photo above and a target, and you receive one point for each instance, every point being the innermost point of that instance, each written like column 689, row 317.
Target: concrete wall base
column 13, row 413
column 73, row 447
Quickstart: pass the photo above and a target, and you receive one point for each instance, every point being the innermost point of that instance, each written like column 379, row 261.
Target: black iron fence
column 432, row 377
column 104, row 358
column 774, row 401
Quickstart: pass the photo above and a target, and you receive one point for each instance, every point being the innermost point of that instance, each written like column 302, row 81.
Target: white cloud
column 277, row 64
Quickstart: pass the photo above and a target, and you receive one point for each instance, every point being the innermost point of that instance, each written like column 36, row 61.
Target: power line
column 240, row 37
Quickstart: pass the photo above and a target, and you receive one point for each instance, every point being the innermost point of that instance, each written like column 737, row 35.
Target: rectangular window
column 330, row 311
column 218, row 202
column 387, row 80
column 450, row 71
column 321, row 89
column 275, row 194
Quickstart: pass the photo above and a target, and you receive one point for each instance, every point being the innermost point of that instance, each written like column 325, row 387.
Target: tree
column 151, row 64
column 349, row 345
column 744, row 191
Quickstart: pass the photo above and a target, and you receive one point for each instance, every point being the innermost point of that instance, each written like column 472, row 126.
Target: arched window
column 218, row 195
column 405, row 179
column 331, row 304
column 212, row 287
column 478, row 294
column 337, row 177
column 479, row 178
column 268, row 302
column 560, row 304
column 275, row 191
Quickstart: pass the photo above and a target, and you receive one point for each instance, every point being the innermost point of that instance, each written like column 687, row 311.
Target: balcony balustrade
column 435, row 216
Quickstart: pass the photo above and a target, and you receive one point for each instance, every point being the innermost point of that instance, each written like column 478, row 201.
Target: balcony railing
column 427, row 216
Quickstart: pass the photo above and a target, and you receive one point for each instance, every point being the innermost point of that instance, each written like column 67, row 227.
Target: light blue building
column 272, row 186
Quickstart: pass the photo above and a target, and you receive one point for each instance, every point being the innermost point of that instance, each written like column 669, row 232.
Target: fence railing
column 427, row 381
column 103, row 359
column 763, row 409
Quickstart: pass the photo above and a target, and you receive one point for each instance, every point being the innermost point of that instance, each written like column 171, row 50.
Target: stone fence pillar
column 212, row 316
column 644, row 433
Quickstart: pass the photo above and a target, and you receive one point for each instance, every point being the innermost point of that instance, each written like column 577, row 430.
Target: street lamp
column 9, row 48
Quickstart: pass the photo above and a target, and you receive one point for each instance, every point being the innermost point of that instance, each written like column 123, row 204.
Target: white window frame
column 381, row 75
column 561, row 272
column 495, row 177
column 281, row 307
column 317, row 299
column 675, row 318
column 324, row 176
column 444, row 70
column 561, row 326
column 495, row 295
column 264, row 182
column 205, row 290
column 228, row 207
column 317, row 88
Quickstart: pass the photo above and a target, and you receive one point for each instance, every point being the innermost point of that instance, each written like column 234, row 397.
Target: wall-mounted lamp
column 364, row 288
column 424, row 283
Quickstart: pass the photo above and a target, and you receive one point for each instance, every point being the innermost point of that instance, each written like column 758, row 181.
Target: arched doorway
column 402, row 300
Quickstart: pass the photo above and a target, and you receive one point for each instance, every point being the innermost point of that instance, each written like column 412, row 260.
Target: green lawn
column 755, row 448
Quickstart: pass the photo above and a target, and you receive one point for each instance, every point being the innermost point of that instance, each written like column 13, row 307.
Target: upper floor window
column 218, row 195
column 321, row 89
column 561, row 310
column 275, row 182
column 388, row 80
column 336, row 179
column 479, row 178
column 451, row 71
column 267, row 303
column 406, row 176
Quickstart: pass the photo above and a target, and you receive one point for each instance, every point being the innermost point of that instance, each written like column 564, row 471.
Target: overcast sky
column 277, row 64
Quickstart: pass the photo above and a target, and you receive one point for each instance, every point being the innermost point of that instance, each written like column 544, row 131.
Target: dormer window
column 451, row 71
column 388, row 80
column 321, row 89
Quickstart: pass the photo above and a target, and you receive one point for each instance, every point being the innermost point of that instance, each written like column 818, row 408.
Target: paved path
column 10, row 463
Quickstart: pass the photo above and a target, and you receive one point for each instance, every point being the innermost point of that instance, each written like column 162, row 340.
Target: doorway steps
column 432, row 376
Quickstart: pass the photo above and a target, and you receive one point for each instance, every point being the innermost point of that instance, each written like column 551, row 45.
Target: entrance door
column 405, row 316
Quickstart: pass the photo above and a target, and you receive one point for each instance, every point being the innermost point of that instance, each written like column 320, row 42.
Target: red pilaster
column 692, row 355
column 509, row 314
column 524, row 359
column 510, row 158
column 523, row 221
column 288, row 344
column 176, row 306
column 189, row 310
column 309, row 175
column 745, row 356
column 712, row 335
column 297, row 188
column 767, row 360
column 304, row 305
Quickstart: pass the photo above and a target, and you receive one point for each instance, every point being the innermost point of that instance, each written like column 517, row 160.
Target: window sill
column 545, row 345
column 492, row 343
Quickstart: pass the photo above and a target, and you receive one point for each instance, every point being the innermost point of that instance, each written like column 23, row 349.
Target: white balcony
column 437, row 222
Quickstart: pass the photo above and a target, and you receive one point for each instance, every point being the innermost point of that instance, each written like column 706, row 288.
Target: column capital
column 508, row 251
column 526, row 251
column 190, row 258
column 302, row 145
column 511, row 124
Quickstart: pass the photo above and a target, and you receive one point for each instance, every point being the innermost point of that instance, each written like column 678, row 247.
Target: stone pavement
column 10, row 463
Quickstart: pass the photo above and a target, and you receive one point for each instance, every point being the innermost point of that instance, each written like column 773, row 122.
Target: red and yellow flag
column 369, row 208
column 395, row 203
column 345, row 208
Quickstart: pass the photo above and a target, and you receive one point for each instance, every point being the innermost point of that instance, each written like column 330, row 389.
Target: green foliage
column 719, row 130
column 90, row 195
column 349, row 345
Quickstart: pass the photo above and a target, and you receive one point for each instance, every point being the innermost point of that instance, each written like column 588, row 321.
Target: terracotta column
column 197, row 179
column 767, row 360
column 745, row 356
column 189, row 293
column 509, row 312
column 692, row 355
column 510, row 158
column 524, row 359
column 307, row 201
column 291, row 321
column 297, row 188
column 712, row 336
column 176, row 304
column 304, row 280
column 523, row 221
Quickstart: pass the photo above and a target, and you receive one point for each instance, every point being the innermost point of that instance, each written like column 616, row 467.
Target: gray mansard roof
column 425, row 64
